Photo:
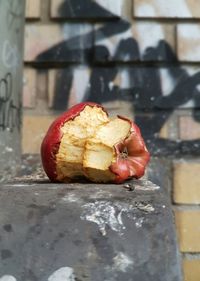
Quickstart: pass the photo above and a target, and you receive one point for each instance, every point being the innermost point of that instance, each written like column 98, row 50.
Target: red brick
column 189, row 128
column 33, row 9
column 41, row 38
column 187, row 223
column 186, row 183
column 34, row 130
column 191, row 269
column 188, row 40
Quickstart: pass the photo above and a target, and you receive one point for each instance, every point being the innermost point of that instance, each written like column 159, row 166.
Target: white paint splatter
column 122, row 262
column 70, row 198
column 119, row 217
column 8, row 278
column 106, row 214
column 139, row 222
column 62, row 274
column 21, row 185
column 100, row 194
column 145, row 207
column 8, row 149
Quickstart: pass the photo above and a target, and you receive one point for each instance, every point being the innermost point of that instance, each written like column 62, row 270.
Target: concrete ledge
column 84, row 231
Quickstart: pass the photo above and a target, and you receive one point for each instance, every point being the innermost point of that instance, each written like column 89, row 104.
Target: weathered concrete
column 11, row 57
column 83, row 231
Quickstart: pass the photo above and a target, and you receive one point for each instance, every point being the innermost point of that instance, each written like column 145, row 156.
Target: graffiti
column 10, row 55
column 14, row 15
column 10, row 113
column 89, row 9
column 152, row 108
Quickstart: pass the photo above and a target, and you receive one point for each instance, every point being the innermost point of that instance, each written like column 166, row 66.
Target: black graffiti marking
column 151, row 108
column 10, row 113
column 77, row 9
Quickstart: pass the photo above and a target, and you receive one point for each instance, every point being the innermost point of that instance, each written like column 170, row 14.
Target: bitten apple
column 84, row 142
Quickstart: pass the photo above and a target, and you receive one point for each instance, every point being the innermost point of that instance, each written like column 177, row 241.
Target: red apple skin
column 51, row 142
column 137, row 156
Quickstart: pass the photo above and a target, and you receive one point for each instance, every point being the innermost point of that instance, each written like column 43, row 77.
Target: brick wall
column 140, row 58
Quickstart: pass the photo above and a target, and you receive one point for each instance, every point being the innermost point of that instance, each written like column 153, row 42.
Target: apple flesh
column 75, row 134
column 100, row 151
column 85, row 142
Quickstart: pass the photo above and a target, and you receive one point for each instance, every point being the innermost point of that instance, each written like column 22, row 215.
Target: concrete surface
column 85, row 231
